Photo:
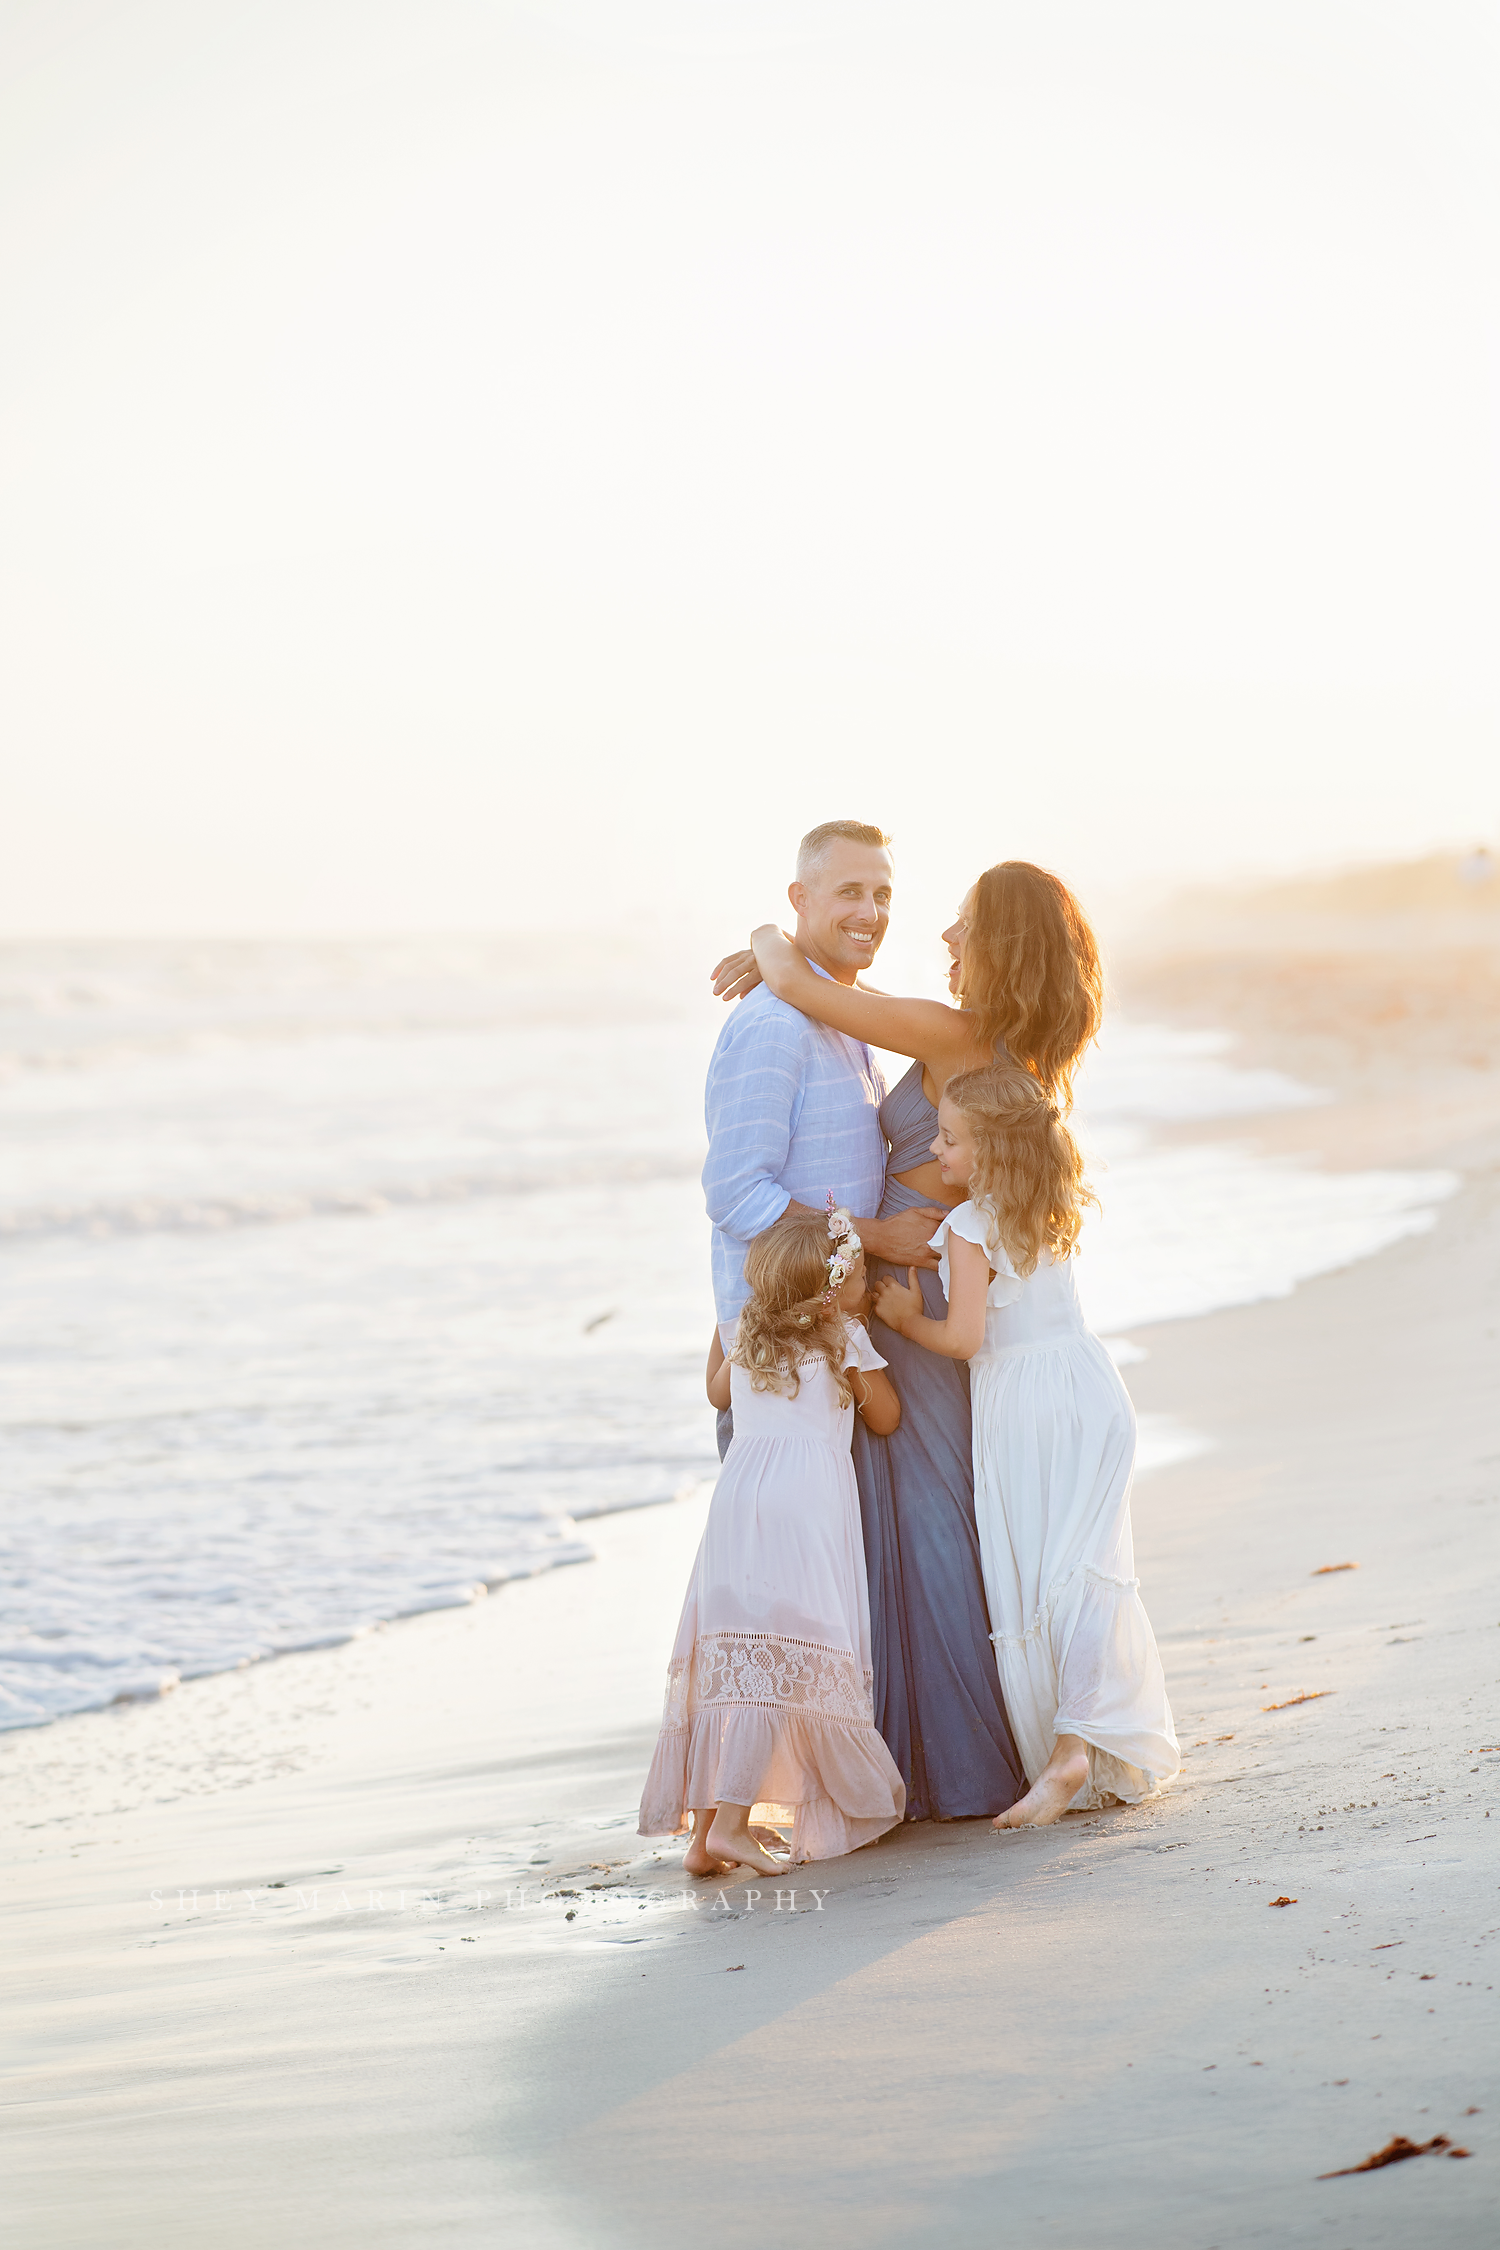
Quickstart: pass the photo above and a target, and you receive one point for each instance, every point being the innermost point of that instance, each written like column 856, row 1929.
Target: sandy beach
column 350, row 1946
column 509, row 503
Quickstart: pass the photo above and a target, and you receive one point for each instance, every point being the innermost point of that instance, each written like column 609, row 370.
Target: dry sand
column 1103, row 2031
column 1382, row 987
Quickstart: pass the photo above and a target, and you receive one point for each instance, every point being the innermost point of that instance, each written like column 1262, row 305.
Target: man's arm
column 905, row 1240
column 754, row 1085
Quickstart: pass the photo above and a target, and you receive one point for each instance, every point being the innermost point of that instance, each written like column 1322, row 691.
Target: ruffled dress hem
column 831, row 1781
column 1089, row 1647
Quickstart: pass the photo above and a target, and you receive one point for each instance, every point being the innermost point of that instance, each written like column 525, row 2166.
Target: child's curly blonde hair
column 786, row 1318
column 1028, row 1171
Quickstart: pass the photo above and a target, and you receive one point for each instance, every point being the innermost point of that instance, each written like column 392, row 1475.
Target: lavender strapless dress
column 936, row 1683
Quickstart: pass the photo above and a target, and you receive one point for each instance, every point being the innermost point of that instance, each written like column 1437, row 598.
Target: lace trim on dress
column 1038, row 1628
column 866, row 1360
column 770, row 1672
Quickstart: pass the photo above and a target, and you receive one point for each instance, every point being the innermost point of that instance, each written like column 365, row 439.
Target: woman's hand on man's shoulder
column 736, row 975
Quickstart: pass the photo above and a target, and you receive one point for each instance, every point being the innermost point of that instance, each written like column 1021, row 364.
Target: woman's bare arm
column 735, row 975
column 936, row 1035
column 738, row 974
column 962, row 1333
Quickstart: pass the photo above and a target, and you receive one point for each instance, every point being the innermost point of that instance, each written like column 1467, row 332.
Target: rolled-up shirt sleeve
column 751, row 1105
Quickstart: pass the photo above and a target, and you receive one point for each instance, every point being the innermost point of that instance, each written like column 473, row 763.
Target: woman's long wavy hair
column 1031, row 974
column 1028, row 1171
column 785, row 1319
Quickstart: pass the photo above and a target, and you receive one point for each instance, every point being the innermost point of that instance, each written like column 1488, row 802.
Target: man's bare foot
column 1050, row 1794
column 743, row 1851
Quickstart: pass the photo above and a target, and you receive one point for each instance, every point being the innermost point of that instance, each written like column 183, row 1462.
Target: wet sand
column 481, row 2009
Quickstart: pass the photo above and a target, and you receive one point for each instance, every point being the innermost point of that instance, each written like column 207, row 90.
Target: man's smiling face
column 843, row 906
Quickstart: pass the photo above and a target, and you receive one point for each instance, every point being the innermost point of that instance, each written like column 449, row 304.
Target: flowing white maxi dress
column 1054, row 1452
column 768, row 1698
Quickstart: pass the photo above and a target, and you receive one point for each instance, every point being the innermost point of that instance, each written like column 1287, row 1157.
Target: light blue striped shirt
column 792, row 1110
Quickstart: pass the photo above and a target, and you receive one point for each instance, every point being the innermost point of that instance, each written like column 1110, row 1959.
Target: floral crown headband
column 844, row 1256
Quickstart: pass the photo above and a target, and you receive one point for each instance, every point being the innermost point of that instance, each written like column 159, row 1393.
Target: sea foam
column 347, row 1282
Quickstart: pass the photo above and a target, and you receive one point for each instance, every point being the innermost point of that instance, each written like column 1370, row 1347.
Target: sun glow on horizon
column 490, row 469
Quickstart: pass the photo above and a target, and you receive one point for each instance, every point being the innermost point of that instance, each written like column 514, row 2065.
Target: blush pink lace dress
column 768, row 1693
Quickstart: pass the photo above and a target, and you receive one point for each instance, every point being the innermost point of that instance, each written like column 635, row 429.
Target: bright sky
column 469, row 463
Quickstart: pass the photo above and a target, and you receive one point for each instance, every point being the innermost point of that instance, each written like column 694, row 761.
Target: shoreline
column 1102, row 2015
column 1397, row 1015
column 1352, row 1131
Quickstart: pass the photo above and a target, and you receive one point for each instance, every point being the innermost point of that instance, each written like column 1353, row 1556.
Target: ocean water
column 345, row 1281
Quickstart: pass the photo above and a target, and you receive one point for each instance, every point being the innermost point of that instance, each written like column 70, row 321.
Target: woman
column 1024, row 974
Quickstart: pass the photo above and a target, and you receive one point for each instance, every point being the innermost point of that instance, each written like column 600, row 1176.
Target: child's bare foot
column 699, row 1860
column 731, row 1838
column 1053, row 1791
column 743, row 1851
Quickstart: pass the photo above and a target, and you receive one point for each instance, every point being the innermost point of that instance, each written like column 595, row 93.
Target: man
column 792, row 1108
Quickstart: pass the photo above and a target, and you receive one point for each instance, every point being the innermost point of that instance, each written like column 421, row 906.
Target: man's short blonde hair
column 813, row 849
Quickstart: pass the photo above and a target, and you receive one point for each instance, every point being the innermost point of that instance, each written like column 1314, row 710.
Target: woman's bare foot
column 1053, row 1791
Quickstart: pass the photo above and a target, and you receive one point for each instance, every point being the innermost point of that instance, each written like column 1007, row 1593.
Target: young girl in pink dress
column 768, row 1706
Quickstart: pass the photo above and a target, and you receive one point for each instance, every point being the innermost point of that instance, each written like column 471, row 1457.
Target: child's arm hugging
column 875, row 1399
column 962, row 1333
column 718, row 1374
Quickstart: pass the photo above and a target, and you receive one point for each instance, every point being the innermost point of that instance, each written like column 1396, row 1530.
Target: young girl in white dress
column 768, row 1706
column 1054, row 1451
